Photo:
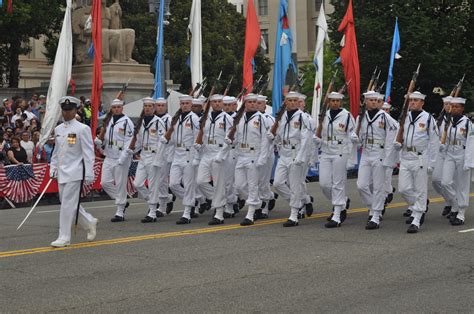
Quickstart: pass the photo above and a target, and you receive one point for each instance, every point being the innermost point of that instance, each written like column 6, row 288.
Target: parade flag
column 97, row 68
column 194, row 29
column 350, row 59
column 158, row 87
column 393, row 55
column 252, row 41
column 20, row 183
column 319, row 61
column 10, row 7
column 60, row 77
column 282, row 60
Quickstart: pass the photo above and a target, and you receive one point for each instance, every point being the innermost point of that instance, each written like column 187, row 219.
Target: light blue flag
column 158, row 87
column 393, row 55
column 282, row 58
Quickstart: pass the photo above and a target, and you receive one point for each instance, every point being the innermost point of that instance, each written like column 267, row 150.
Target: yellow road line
column 182, row 233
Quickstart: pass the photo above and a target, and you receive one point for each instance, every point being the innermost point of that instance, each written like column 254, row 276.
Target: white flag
column 319, row 62
column 60, row 77
column 194, row 28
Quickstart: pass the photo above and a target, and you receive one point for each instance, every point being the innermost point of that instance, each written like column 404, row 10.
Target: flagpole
column 319, row 62
column 393, row 55
column 158, row 86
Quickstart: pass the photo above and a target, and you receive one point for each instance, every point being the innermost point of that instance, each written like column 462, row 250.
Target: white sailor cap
column 87, row 101
column 229, row 99
column 250, row 96
column 261, row 98
column 292, row 95
column 160, row 100
column 458, row 100
column 68, row 100
column 371, row 94
column 185, row 98
column 447, row 99
column 386, row 105
column 381, row 97
column 417, row 95
column 335, row 95
column 199, row 101
column 42, row 97
column 216, row 97
column 148, row 100
column 117, row 102
column 302, row 96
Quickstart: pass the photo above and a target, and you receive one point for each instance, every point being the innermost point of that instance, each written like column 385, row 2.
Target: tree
column 437, row 34
column 30, row 19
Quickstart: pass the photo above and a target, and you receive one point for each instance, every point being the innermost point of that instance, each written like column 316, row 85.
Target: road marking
column 87, row 207
column 183, row 232
column 467, row 230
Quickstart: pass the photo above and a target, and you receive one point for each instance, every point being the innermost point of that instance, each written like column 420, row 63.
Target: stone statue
column 117, row 43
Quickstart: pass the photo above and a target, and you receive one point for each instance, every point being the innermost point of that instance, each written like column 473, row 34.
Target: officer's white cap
column 117, row 102
column 334, row 95
column 386, row 105
column 148, row 100
column 458, row 100
column 216, row 97
column 292, row 95
column 198, row 101
column 302, row 96
column 185, row 98
column 371, row 94
column 262, row 98
column 417, row 95
column 160, row 100
column 229, row 99
column 250, row 96
column 447, row 99
column 70, row 99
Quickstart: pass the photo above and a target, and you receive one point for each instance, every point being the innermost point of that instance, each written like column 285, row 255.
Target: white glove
column 163, row 140
column 397, row 145
column 53, row 173
column 88, row 180
column 466, row 168
column 98, row 142
column 260, row 162
column 228, row 141
column 354, row 139
column 317, row 140
column 430, row 169
column 270, row 136
column 196, row 162
column 298, row 162
column 311, row 164
column 442, row 148
column 129, row 152
column 218, row 158
column 197, row 146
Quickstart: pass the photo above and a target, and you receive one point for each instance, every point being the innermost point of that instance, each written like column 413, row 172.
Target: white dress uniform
column 437, row 176
column 182, row 169
column 118, row 135
column 389, row 168
column 164, row 161
column 312, row 153
column 336, row 149
column 149, row 144
column 418, row 153
column 252, row 152
column 377, row 134
column 265, row 191
column 213, row 153
column 72, row 161
column 459, row 150
column 229, row 169
column 293, row 137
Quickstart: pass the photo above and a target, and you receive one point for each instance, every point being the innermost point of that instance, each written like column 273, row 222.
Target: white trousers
column 229, row 169
column 437, row 177
column 287, row 181
column 210, row 170
column 146, row 171
column 388, row 180
column 371, row 180
column 69, row 196
column 246, row 183
column 265, row 191
column 183, row 172
column 333, row 177
column 114, row 179
column 456, row 182
column 413, row 182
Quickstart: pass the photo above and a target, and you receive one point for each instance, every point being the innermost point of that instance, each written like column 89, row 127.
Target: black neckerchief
column 290, row 113
column 249, row 114
column 161, row 115
column 116, row 118
column 184, row 115
column 415, row 114
column 230, row 113
column 334, row 113
column 147, row 119
column 456, row 119
column 214, row 115
column 372, row 113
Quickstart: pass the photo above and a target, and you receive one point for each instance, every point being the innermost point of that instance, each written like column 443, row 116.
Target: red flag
column 72, row 83
column 350, row 59
column 97, row 71
column 10, row 7
column 252, row 40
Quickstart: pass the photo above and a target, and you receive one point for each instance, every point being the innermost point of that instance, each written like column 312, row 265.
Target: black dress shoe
column 159, row 214
column 290, row 223
column 263, row 216
column 301, row 215
column 183, row 221
column 257, row 214
column 422, row 219
column 372, row 225
column 148, row 219
column 193, row 213
column 309, row 209
column 446, row 210
column 271, row 204
column 127, row 205
column 369, row 218
column 117, row 219
column 332, row 224
column 383, row 211
column 215, row 221
column 246, row 222
column 407, row 213
column 169, row 207
column 412, row 229
column 457, row 222
column 205, row 206
column 343, row 215
column 228, row 215
column 241, row 203
column 452, row 216
column 348, row 203
column 235, row 207
column 263, row 205
column 389, row 198
column 427, row 203
column 330, row 216
column 409, row 220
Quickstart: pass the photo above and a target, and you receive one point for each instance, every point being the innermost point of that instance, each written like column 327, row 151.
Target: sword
column 36, row 203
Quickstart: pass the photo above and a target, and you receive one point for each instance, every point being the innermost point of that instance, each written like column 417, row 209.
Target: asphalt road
column 163, row 267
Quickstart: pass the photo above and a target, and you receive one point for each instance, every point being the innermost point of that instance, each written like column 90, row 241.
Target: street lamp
column 154, row 6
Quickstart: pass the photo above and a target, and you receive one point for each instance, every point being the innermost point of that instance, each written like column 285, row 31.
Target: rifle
column 403, row 114
column 264, row 86
column 372, row 79
column 380, row 88
column 376, row 81
column 108, row 116
column 228, row 86
column 207, row 107
column 454, row 93
column 325, row 105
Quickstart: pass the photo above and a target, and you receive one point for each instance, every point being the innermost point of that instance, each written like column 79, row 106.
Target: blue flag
column 158, row 87
column 283, row 58
column 393, row 55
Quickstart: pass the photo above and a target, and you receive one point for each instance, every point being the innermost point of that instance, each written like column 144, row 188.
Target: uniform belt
column 149, row 149
column 247, row 147
column 413, row 149
column 214, row 142
column 371, row 141
column 181, row 145
column 335, row 139
column 457, row 143
column 291, row 142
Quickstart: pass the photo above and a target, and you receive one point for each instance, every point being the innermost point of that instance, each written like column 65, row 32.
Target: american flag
column 131, row 176
column 20, row 183
column 97, row 166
